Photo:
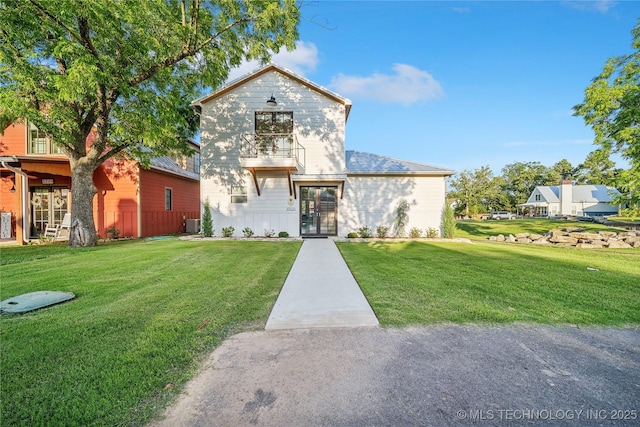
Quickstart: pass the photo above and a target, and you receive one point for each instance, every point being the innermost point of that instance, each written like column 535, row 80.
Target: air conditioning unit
column 193, row 226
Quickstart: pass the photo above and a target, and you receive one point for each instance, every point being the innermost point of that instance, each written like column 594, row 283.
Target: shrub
column 269, row 233
column 415, row 233
column 432, row 232
column 247, row 232
column 283, row 234
column 228, row 231
column 382, row 231
column 364, row 232
column 112, row 232
column 207, row 221
column 448, row 222
column 352, row 235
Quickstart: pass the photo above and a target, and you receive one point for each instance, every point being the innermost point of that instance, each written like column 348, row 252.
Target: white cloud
column 406, row 86
column 590, row 5
column 302, row 60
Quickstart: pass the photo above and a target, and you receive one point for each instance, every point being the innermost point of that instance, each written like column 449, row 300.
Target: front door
column 48, row 206
column 318, row 211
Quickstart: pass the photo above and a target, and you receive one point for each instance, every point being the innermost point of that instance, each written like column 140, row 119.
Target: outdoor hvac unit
column 193, row 226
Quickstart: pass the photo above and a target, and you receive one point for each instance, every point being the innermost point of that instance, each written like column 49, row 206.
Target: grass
column 482, row 229
column 145, row 316
column 419, row 283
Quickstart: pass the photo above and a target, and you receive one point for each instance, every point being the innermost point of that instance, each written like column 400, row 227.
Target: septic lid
column 33, row 300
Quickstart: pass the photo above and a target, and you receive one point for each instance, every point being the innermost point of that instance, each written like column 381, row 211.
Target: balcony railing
column 272, row 146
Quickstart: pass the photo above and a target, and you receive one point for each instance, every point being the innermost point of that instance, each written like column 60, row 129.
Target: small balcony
column 272, row 151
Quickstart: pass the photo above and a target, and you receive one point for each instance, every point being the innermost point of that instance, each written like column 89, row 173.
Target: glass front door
column 48, row 206
column 318, row 211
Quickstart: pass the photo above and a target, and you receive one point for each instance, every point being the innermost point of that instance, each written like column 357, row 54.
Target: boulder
column 594, row 245
column 563, row 239
column 541, row 242
column 536, row 236
column 493, row 238
column 500, row 238
column 615, row 244
column 522, row 236
column 510, row 238
column 586, row 236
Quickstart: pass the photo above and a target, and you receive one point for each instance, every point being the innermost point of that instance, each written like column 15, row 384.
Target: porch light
column 13, row 189
column 271, row 102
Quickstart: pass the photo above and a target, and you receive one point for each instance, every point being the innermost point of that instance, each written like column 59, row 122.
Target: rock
column 522, row 236
column 632, row 239
column 493, row 238
column 554, row 233
column 607, row 234
column 586, row 236
column 511, row 238
column 563, row 239
column 536, row 236
column 618, row 245
column 500, row 238
column 590, row 245
column 541, row 242
column 524, row 240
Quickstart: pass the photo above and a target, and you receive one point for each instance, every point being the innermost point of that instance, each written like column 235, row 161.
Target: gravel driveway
column 437, row 376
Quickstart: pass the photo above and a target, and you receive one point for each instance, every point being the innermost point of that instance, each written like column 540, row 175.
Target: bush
column 432, row 233
column 382, row 231
column 352, row 235
column 283, row 234
column 228, row 231
column 247, row 232
column 415, row 233
column 269, row 233
column 364, row 232
column 448, row 222
column 112, row 232
column 207, row 221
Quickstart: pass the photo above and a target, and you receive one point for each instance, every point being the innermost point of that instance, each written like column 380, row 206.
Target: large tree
column 125, row 72
column 521, row 178
column 611, row 107
column 476, row 190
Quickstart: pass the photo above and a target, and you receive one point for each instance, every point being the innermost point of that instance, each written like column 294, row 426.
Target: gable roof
column 276, row 68
column 592, row 193
column 168, row 165
column 359, row 163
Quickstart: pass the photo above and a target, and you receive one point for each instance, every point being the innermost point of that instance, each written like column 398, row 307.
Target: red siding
column 156, row 220
column 116, row 204
column 13, row 142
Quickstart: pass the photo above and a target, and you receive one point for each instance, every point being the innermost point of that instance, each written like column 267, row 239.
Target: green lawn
column 482, row 229
column 420, row 283
column 146, row 314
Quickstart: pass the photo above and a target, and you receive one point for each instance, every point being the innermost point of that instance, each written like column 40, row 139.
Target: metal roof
column 359, row 163
column 167, row 164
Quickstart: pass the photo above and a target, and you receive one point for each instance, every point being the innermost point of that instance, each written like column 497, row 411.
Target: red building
column 35, row 184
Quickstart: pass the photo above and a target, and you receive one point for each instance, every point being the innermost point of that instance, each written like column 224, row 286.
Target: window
column 537, row 197
column 274, row 133
column 168, row 199
column 38, row 143
column 196, row 163
column 238, row 194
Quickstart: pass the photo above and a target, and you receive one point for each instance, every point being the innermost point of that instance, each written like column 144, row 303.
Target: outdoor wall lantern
column 271, row 102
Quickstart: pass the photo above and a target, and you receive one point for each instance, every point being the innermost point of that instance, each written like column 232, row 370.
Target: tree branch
column 186, row 52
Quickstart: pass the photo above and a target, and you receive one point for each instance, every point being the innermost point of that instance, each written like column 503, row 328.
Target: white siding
column 372, row 200
column 319, row 124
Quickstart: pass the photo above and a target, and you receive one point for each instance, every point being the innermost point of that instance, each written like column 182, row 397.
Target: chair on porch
column 51, row 231
column 65, row 227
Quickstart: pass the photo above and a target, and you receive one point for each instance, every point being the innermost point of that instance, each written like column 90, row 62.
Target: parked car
column 502, row 215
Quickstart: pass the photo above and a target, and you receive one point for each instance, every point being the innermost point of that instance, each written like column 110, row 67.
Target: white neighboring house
column 569, row 199
column 282, row 165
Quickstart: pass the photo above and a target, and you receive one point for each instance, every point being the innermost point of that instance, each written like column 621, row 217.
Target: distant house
column 35, row 179
column 570, row 199
column 282, row 165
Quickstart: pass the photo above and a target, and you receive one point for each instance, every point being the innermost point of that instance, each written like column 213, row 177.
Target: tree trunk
column 83, row 229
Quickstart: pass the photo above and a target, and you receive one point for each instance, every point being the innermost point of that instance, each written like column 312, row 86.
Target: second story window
column 38, row 143
column 537, row 197
column 274, row 133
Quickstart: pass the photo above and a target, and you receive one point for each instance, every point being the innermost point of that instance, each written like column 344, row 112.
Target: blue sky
column 462, row 84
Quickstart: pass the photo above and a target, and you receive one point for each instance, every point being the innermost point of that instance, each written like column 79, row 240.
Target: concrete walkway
column 320, row 292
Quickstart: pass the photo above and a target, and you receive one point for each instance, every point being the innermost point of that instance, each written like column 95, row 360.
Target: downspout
column 24, row 198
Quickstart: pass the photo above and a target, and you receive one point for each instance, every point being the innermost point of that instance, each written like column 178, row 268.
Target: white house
column 570, row 199
column 273, row 158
